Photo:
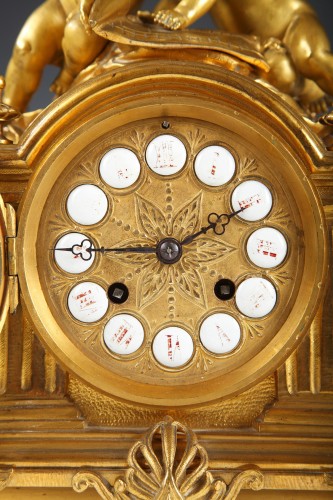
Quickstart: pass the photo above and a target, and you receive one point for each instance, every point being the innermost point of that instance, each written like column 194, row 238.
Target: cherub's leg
column 310, row 50
column 37, row 45
column 283, row 74
column 80, row 48
column 103, row 10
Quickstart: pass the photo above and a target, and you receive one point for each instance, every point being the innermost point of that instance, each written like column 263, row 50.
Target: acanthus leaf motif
column 187, row 219
column 151, row 283
column 150, row 218
column 185, row 274
column 207, row 250
column 189, row 283
column 168, row 463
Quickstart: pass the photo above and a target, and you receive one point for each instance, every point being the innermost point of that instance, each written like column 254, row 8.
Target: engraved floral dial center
column 169, row 251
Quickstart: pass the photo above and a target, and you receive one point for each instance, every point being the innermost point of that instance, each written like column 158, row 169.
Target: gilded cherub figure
column 295, row 42
column 57, row 32
column 295, row 24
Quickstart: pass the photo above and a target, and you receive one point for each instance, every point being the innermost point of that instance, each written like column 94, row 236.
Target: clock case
column 53, row 423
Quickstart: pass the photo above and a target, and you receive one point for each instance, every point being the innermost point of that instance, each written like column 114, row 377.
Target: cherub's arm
column 184, row 14
column 85, row 8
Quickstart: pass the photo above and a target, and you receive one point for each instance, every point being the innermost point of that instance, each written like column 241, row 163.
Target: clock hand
column 85, row 250
column 216, row 222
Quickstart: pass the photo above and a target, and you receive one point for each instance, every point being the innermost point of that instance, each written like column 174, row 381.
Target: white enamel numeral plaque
column 214, row 166
column 87, row 204
column 69, row 261
column 255, row 297
column 173, row 347
column 120, row 168
column 88, row 302
column 254, row 197
column 220, row 333
column 267, row 247
column 166, row 155
column 123, row 334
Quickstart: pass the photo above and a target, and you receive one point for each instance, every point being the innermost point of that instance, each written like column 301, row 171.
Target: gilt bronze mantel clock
column 169, row 263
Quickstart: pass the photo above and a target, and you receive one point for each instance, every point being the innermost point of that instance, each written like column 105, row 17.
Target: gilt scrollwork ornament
column 168, row 464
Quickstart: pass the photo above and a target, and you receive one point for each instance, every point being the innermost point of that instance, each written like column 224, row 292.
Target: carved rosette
column 184, row 275
column 168, row 464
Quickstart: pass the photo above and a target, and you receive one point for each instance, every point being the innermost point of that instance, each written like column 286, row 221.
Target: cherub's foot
column 318, row 107
column 62, row 83
column 170, row 19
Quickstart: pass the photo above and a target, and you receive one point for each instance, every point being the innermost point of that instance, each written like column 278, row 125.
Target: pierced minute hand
column 216, row 222
column 129, row 249
column 85, row 250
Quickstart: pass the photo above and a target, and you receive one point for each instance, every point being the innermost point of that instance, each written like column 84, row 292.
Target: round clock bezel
column 213, row 106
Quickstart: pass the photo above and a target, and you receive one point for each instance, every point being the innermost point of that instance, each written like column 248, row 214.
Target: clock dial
column 167, row 262
column 144, row 244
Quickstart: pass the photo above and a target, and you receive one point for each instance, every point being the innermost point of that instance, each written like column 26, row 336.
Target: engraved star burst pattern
column 185, row 275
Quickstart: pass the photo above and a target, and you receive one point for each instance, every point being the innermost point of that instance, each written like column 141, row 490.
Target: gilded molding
column 168, row 463
column 26, row 368
column 315, row 352
column 50, row 367
column 4, row 358
column 291, row 374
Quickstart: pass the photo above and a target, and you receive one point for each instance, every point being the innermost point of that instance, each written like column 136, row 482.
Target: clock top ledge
column 81, row 123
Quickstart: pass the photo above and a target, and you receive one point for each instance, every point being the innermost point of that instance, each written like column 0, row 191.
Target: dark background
column 14, row 13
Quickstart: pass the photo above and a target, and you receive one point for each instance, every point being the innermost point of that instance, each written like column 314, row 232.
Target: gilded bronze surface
column 172, row 290
column 292, row 40
column 72, row 415
column 173, row 472
column 232, row 413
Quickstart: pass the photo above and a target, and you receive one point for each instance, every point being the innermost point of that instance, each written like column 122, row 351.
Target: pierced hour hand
column 85, row 250
column 216, row 222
